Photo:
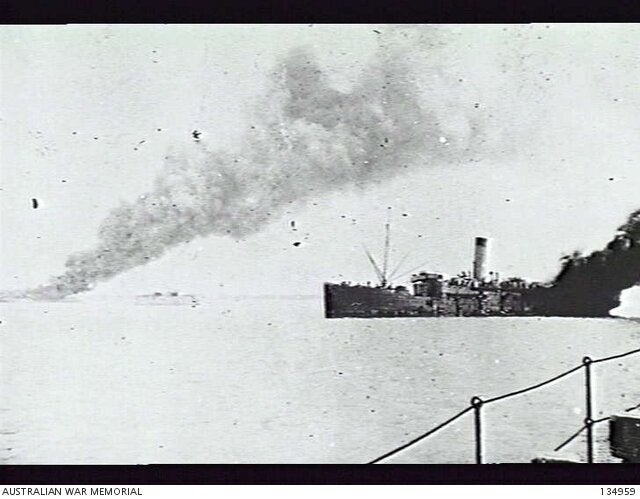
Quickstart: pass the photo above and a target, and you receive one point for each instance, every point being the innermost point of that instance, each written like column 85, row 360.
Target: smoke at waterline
column 591, row 285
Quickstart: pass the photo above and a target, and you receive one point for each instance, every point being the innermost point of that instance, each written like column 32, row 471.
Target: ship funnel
column 480, row 258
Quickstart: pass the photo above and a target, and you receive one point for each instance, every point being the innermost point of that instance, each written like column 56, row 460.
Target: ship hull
column 365, row 301
column 343, row 300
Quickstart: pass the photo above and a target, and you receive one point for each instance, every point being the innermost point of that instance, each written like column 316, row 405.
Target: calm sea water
column 271, row 381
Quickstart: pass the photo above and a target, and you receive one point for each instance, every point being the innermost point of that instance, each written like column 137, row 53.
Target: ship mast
column 382, row 273
column 385, row 264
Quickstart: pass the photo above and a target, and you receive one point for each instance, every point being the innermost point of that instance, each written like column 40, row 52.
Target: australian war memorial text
column 71, row 491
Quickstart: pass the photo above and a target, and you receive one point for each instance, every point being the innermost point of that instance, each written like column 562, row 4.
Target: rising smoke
column 307, row 139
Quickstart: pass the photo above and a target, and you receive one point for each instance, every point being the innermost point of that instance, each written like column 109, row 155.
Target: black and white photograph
column 320, row 244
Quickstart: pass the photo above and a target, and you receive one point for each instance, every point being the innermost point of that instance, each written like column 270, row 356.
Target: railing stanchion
column 588, row 420
column 476, row 403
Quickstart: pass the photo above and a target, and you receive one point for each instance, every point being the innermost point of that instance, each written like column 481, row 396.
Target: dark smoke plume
column 590, row 286
column 307, row 139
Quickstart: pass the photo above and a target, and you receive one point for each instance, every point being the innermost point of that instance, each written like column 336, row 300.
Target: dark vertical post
column 588, row 420
column 476, row 403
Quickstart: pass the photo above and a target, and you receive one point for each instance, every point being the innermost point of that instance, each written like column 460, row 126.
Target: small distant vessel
column 168, row 298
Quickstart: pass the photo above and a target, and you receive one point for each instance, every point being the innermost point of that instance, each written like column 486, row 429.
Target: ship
column 168, row 298
column 470, row 293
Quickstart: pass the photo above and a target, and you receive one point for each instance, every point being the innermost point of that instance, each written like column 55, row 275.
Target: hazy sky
column 89, row 112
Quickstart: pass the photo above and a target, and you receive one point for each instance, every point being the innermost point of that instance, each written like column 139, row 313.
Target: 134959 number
column 617, row 491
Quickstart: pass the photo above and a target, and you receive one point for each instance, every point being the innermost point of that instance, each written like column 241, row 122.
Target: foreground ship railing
column 478, row 403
